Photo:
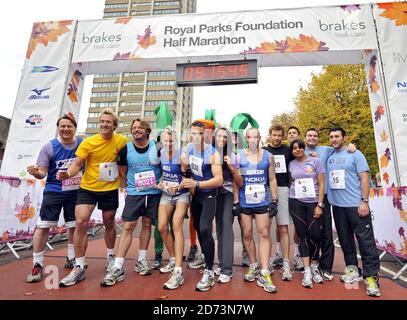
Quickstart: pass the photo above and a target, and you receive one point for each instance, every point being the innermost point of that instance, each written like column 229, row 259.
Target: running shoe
column 245, row 260
column 351, row 274
column 157, row 261
column 70, row 263
column 307, row 279
column 264, row 281
column 143, row 268
column 36, row 273
column 175, row 280
column 114, row 276
column 77, row 274
column 372, row 286
column 110, row 262
column 207, row 281
column 168, row 267
column 192, row 253
column 277, row 261
column 298, row 264
column 316, row 276
column 287, row 273
column 199, row 262
column 252, row 273
column 224, row 278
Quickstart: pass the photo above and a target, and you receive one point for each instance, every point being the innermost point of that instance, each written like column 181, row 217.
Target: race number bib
column 255, row 193
column 280, row 166
column 168, row 184
column 337, row 179
column 304, row 188
column 196, row 165
column 72, row 183
column 228, row 186
column 108, row 171
column 144, row 180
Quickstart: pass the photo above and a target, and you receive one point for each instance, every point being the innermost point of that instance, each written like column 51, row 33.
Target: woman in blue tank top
column 174, row 200
column 205, row 164
column 257, row 170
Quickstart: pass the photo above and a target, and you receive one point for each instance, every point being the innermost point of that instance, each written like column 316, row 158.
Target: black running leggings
column 203, row 206
column 308, row 228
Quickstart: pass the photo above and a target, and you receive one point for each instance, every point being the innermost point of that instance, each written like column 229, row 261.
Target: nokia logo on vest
column 39, row 94
column 342, row 26
column 104, row 38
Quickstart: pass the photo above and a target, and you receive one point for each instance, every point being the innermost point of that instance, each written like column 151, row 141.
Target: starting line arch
column 61, row 53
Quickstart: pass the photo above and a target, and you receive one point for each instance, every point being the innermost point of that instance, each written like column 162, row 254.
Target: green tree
column 339, row 96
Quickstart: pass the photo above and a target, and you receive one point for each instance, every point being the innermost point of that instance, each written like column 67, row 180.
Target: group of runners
column 211, row 179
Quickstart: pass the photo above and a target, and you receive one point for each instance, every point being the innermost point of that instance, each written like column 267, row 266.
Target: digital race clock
column 216, row 73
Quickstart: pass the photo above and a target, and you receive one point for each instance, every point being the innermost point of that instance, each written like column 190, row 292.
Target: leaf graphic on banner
column 374, row 86
column 378, row 113
column 303, row 44
column 122, row 20
column 351, row 7
column 147, row 39
column 125, row 56
column 395, row 11
column 402, row 232
column 385, row 159
column 403, row 250
column 384, row 136
column 73, row 86
column 46, row 32
column 386, row 177
column 397, row 203
column 403, row 216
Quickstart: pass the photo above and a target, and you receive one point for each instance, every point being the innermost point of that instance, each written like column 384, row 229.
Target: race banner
column 322, row 29
column 40, row 95
column 380, row 118
column 392, row 35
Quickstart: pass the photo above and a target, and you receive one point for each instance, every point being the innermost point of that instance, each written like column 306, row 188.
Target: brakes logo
column 39, row 94
column 34, row 120
column 41, row 69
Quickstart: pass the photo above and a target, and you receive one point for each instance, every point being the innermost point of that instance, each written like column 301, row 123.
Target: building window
column 104, row 94
column 166, row 3
column 129, row 114
column 103, row 105
column 152, row 103
column 139, row 4
column 161, row 73
column 149, row 114
column 132, row 74
column 107, row 75
column 116, row 14
column 167, row 11
column 93, row 114
column 161, row 83
column 116, row 5
column 92, row 125
column 161, row 92
column 105, row 85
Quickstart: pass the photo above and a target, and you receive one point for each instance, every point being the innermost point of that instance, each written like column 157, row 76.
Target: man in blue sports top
column 55, row 155
column 140, row 172
column 348, row 192
column 327, row 245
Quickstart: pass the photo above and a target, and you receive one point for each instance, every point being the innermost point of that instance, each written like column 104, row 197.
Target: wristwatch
column 197, row 185
column 366, row 200
column 321, row 205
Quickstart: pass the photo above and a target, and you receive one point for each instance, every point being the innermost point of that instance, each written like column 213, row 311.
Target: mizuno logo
column 41, row 69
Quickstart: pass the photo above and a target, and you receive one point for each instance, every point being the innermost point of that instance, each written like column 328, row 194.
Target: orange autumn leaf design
column 5, row 235
column 46, row 32
column 403, row 250
column 403, row 216
column 384, row 162
column 384, row 136
column 385, row 158
column 305, row 43
column 147, row 39
column 123, row 20
column 375, row 86
column 302, row 44
column 395, row 11
column 25, row 214
column 378, row 113
column 386, row 177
